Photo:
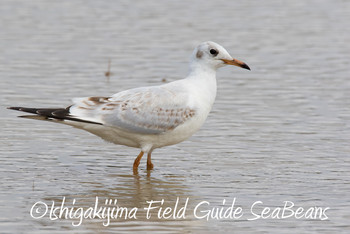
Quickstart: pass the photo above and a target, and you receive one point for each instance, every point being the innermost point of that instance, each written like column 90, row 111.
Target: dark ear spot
column 199, row 54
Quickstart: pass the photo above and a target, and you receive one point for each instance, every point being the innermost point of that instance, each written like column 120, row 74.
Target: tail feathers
column 51, row 113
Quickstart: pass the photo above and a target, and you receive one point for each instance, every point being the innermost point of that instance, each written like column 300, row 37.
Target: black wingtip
column 50, row 113
column 13, row 108
column 24, row 109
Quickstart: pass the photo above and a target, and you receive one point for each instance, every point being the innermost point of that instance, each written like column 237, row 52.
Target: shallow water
column 278, row 133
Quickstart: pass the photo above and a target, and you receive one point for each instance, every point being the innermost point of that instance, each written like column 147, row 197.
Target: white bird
column 149, row 117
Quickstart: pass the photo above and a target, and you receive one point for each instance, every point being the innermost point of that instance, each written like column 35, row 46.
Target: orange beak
column 236, row 62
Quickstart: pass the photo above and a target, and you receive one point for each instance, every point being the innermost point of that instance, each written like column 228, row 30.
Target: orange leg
column 149, row 162
column 137, row 161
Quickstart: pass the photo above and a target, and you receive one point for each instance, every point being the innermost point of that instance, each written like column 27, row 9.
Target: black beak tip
column 245, row 66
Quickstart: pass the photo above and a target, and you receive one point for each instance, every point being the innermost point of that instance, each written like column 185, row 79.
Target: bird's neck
column 204, row 79
column 203, row 75
column 198, row 69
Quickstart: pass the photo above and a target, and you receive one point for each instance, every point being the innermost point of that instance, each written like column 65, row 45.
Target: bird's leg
column 149, row 161
column 137, row 161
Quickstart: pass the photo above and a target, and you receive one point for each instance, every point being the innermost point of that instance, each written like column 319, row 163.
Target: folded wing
column 149, row 110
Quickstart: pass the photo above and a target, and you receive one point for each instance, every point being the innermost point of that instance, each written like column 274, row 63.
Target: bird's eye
column 214, row 52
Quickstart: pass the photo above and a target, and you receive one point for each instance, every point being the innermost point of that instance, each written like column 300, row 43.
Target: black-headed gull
column 149, row 117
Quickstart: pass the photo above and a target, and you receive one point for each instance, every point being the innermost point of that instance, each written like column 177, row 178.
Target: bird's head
column 215, row 56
